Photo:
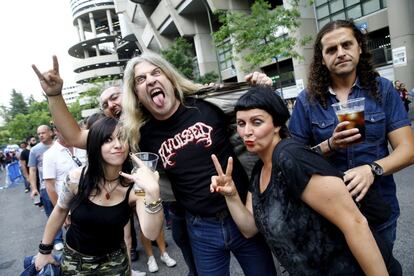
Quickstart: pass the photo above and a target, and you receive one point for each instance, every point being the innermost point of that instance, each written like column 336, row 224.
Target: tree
column 207, row 78
column 76, row 110
column 180, row 55
column 24, row 125
column 17, row 104
column 261, row 32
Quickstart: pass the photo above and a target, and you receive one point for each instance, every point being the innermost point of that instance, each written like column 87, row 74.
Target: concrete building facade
column 100, row 52
column 154, row 24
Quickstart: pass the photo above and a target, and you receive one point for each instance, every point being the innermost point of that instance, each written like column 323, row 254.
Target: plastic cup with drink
column 150, row 160
column 352, row 111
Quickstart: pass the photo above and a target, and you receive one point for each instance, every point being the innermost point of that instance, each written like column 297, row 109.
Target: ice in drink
column 352, row 111
column 356, row 120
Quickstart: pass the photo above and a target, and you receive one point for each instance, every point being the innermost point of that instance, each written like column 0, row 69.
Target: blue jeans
column 180, row 236
column 48, row 207
column 212, row 240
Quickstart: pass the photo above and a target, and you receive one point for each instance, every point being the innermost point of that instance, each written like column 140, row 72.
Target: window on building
column 345, row 9
column 370, row 6
column 354, row 12
column 320, row 2
column 322, row 11
column 323, row 22
column 336, row 5
column 224, row 55
column 349, row 3
column 338, row 16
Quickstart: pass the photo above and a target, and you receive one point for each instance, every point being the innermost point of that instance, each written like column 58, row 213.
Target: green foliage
column 22, row 118
column 207, row 78
column 179, row 54
column 38, row 107
column 76, row 110
column 17, row 105
column 257, row 32
column 93, row 95
column 23, row 125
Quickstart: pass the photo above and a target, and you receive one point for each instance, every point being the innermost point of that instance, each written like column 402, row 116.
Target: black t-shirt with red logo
column 185, row 143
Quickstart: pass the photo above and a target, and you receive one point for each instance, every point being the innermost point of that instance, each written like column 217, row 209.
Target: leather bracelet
column 45, row 252
column 45, row 249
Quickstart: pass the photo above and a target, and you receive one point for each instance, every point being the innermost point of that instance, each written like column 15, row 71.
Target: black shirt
column 24, row 156
column 97, row 230
column 303, row 241
column 185, row 143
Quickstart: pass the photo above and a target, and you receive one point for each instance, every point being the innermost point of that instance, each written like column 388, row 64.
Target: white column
column 110, row 24
column 93, row 28
column 81, row 31
column 92, row 23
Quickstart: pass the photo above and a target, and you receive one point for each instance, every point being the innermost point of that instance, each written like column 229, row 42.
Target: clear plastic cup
column 353, row 112
column 150, row 160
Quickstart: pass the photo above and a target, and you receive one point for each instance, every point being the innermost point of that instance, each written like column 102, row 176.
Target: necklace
column 111, row 180
column 108, row 192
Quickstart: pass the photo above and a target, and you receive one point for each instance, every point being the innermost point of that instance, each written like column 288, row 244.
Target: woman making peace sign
column 297, row 200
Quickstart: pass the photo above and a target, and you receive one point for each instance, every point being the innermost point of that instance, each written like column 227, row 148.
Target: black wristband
column 45, row 247
column 45, row 252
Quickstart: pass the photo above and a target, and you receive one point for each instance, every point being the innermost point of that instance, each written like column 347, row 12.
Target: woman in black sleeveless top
column 99, row 200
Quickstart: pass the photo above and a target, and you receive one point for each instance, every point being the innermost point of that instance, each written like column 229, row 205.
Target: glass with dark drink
column 353, row 112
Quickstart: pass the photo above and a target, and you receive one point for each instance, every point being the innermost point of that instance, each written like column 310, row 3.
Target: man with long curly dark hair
column 341, row 70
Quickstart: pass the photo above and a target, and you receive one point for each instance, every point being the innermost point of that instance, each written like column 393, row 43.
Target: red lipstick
column 249, row 143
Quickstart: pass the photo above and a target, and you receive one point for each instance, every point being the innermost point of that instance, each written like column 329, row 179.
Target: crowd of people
column 316, row 199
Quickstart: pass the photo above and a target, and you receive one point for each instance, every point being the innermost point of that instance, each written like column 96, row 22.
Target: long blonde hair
column 133, row 116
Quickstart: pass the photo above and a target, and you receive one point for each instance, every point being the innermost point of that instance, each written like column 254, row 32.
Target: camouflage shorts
column 113, row 264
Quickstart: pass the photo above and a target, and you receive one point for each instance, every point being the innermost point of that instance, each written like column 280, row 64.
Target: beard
column 33, row 144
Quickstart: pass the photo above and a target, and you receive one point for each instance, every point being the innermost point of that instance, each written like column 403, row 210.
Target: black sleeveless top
column 96, row 230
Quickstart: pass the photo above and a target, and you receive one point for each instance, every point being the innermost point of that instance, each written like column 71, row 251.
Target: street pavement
column 22, row 224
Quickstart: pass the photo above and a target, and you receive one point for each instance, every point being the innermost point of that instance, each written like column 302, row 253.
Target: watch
column 376, row 169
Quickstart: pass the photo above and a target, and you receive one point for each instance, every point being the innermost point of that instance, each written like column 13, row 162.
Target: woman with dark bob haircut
column 296, row 199
column 99, row 199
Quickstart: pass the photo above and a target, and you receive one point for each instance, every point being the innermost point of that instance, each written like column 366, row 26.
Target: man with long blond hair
column 159, row 115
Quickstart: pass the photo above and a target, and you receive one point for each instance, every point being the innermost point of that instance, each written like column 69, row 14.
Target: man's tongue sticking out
column 158, row 99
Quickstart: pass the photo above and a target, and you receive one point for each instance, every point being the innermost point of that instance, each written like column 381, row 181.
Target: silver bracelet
column 153, row 207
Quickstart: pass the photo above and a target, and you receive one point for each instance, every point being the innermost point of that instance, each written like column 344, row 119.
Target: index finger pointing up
column 39, row 75
column 55, row 64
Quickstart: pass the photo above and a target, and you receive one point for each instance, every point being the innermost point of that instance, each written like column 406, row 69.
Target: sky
column 33, row 31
